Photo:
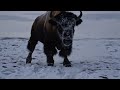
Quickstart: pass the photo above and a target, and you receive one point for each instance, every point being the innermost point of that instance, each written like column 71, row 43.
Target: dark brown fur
column 45, row 32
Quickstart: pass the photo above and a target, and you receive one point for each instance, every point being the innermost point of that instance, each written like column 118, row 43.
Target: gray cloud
column 12, row 17
column 102, row 16
column 34, row 13
column 92, row 16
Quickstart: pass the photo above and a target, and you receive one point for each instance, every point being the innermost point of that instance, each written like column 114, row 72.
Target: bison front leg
column 50, row 51
column 64, row 53
column 50, row 60
column 31, row 46
column 66, row 62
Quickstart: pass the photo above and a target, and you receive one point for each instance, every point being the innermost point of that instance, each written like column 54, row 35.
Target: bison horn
column 80, row 14
column 51, row 16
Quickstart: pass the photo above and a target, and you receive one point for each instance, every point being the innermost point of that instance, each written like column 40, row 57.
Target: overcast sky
column 99, row 23
column 85, row 12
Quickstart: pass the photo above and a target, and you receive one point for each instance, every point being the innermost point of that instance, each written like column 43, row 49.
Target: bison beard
column 42, row 30
column 50, row 48
column 65, row 51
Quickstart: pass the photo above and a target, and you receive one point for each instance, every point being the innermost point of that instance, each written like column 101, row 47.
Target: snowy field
column 96, row 48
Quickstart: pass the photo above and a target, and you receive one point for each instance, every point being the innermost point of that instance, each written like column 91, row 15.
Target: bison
column 55, row 29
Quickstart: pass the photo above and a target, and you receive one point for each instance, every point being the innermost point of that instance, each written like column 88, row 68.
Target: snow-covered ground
column 96, row 48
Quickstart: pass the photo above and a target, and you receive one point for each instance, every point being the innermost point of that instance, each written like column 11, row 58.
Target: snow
column 96, row 50
column 91, row 59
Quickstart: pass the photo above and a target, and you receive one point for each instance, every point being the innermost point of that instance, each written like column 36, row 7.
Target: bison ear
column 52, row 22
column 78, row 22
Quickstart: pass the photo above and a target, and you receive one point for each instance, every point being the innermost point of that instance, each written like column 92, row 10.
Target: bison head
column 65, row 23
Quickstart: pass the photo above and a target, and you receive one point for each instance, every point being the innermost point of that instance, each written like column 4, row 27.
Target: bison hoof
column 67, row 65
column 28, row 60
column 50, row 64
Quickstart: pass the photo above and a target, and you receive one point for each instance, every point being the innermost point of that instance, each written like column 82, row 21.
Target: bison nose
column 66, row 34
column 68, row 38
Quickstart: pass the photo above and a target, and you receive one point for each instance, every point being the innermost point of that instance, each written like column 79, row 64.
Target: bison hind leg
column 31, row 46
column 29, row 59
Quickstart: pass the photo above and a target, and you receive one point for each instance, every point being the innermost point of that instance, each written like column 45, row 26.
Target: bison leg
column 66, row 62
column 64, row 53
column 31, row 46
column 29, row 58
column 50, row 60
column 50, row 51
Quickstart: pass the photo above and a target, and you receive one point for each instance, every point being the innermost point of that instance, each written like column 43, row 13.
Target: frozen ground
column 96, row 48
column 91, row 59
